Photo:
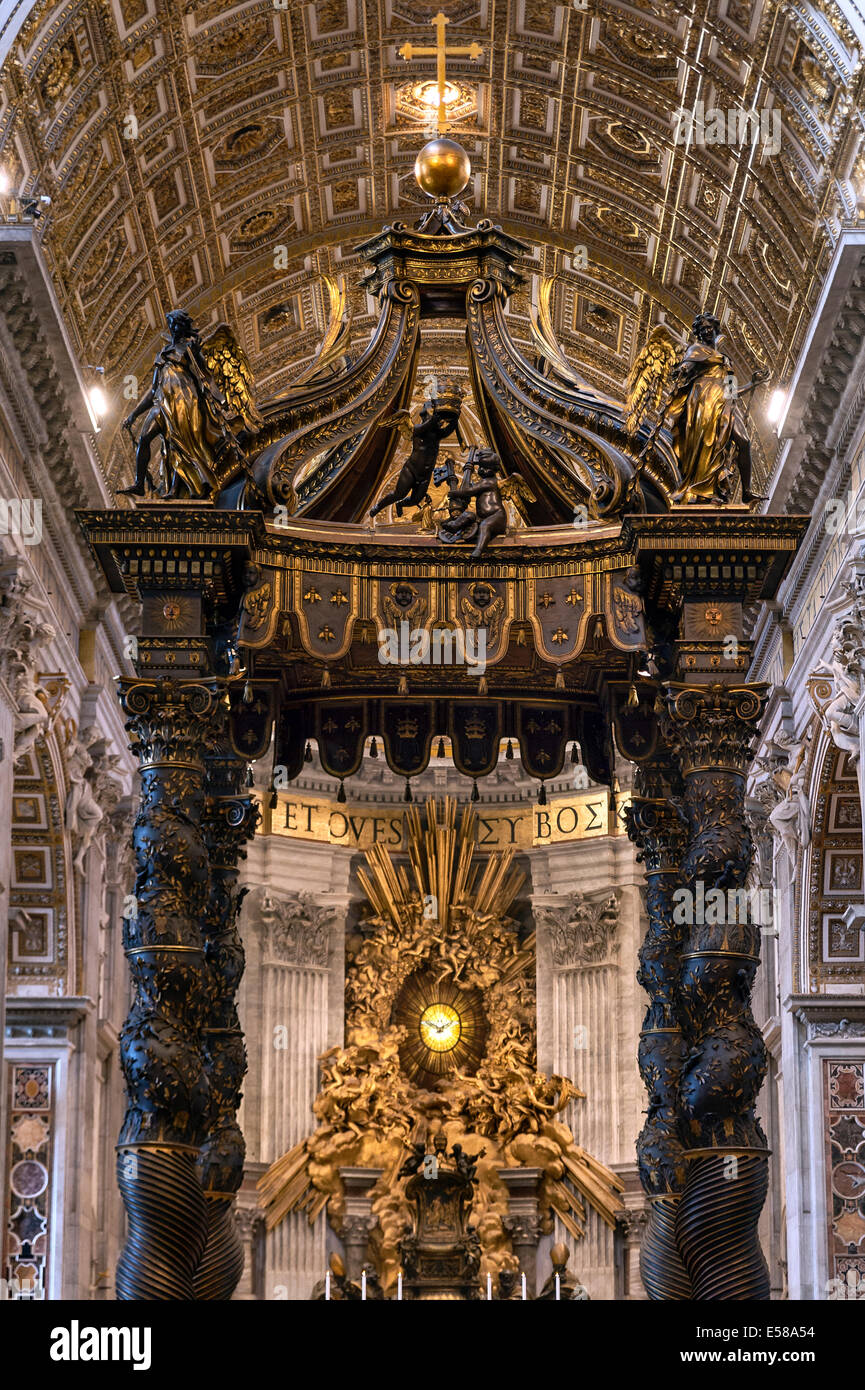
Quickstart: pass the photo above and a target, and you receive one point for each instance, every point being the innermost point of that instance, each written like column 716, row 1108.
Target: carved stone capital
column 248, row 1222
column 523, row 1229
column 632, row 1222
column 356, row 1229
column 297, row 928
column 583, row 930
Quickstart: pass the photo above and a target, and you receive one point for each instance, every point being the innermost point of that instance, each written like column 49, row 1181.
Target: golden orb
column 442, row 168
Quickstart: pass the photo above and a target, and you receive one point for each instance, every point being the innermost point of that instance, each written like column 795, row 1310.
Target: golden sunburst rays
column 446, row 1028
column 442, row 879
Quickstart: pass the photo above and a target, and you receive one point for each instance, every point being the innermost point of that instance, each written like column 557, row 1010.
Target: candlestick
column 523, row 1282
column 489, row 1286
column 558, row 1288
column 327, row 1285
column 399, row 1286
column 363, row 1285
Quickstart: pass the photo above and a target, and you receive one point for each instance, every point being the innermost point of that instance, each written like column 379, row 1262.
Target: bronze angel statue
column 696, row 395
column 649, row 375
column 200, row 407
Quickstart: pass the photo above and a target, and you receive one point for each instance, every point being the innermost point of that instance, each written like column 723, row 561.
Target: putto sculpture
column 439, row 417
column 489, row 517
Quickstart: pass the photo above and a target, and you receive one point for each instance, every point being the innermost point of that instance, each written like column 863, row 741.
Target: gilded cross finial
column 440, row 53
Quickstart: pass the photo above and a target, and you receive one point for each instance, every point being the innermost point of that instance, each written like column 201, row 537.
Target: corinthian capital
column 712, row 726
column 172, row 721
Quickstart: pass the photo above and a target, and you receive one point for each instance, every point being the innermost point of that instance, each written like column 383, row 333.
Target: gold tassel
column 325, row 679
column 560, row 681
column 633, row 700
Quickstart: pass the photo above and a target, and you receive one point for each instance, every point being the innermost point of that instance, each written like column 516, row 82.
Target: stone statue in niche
column 84, row 815
column 791, row 818
column 32, row 716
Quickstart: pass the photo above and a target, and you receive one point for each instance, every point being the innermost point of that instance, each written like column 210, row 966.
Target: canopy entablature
column 558, row 637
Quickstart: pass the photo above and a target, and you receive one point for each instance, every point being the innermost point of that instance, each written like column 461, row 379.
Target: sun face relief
column 440, row 1027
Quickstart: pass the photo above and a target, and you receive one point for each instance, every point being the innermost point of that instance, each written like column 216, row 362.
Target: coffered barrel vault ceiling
column 258, row 127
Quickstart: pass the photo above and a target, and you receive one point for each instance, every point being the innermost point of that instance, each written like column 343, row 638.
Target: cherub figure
column 489, row 519
column 437, row 421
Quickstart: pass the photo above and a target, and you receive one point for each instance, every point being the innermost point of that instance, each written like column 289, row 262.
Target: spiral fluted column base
column 664, row 1276
column 164, row 1204
column 221, row 1264
column 716, row 1227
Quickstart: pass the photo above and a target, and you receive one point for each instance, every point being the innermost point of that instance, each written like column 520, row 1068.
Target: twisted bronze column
column 229, row 820
column 170, row 723
column 659, row 829
column 713, row 729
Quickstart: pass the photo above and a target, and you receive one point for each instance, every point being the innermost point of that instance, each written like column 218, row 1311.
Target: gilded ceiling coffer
column 658, row 827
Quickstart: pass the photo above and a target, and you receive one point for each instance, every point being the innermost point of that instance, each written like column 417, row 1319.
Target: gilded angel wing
column 229, row 366
column 516, row 490
column 650, row 375
column 335, row 340
column 400, row 420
